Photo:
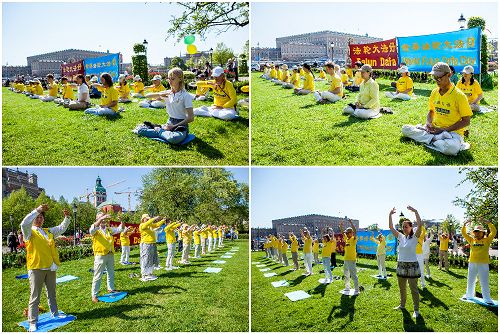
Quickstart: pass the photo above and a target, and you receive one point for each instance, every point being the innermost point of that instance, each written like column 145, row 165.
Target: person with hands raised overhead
column 171, row 239
column 426, row 251
column 381, row 243
column 308, row 257
column 408, row 270
column 125, row 243
column 479, row 259
column 187, row 234
column 42, row 259
column 350, row 239
column 294, row 249
column 104, row 249
column 147, row 247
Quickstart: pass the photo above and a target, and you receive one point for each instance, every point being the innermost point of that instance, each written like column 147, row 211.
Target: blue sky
column 367, row 194
column 73, row 182
column 34, row 28
column 378, row 19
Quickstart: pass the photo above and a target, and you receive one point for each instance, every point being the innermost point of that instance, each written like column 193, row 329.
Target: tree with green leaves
column 140, row 62
column 190, row 63
column 200, row 18
column 18, row 204
column 222, row 54
column 178, row 62
column 482, row 200
column 473, row 22
column 450, row 225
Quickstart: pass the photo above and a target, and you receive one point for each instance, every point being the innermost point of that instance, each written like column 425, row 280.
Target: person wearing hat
column 408, row 270
column 479, row 259
column 381, row 243
column 171, row 239
column 294, row 80
column 147, row 247
column 53, row 89
column 335, row 92
column 224, row 98
column 123, row 89
column 42, row 259
column 104, row 249
column 83, row 100
column 367, row 103
column 404, row 86
column 444, row 240
column 344, row 77
column 471, row 88
column 350, row 239
column 449, row 116
column 308, row 85
column 109, row 98
column 138, row 87
column 154, row 100
column 94, row 92
column 67, row 92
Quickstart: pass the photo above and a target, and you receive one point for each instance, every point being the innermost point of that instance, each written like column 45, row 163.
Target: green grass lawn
column 372, row 310
column 295, row 130
column 38, row 133
column 185, row 299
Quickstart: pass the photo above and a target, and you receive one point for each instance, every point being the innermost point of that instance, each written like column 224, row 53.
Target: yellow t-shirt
column 123, row 91
column 295, row 80
column 315, row 247
column 279, row 75
column 157, row 89
column 294, row 247
column 170, row 232
column 285, row 76
column 110, row 94
column 479, row 249
column 196, row 237
column 443, row 243
column 358, row 79
column 380, row 245
column 420, row 241
column 350, row 248
column 186, row 236
column 348, row 71
column 369, row 94
column 138, row 87
column 403, row 84
column 302, row 72
column 326, row 251
column 21, row 87
column 284, row 246
column 322, row 75
column 308, row 82
column 333, row 243
column 148, row 236
column 449, row 108
column 273, row 74
column 307, row 245
column 336, row 83
column 345, row 80
column 38, row 90
column 53, row 89
column 471, row 91
column 67, row 91
column 202, row 87
column 225, row 97
column 124, row 239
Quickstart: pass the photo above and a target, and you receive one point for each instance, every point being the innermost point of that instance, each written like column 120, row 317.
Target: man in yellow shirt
column 350, row 239
column 444, row 240
column 104, row 249
column 42, row 259
column 53, row 89
column 367, row 101
column 294, row 249
column 170, row 239
column 138, row 87
column 325, row 257
column 479, row 260
column 187, row 235
column 284, row 249
column 147, row 247
column 404, row 86
column 224, row 98
column 449, row 115
column 308, row 257
column 335, row 92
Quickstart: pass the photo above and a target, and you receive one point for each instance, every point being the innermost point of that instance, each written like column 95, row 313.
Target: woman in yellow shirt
column 293, row 80
column 315, row 251
column 37, row 89
column 138, row 87
column 123, row 89
column 67, row 93
column 156, row 101
column 284, row 248
column 125, row 244
column 325, row 257
column 404, row 86
column 350, row 239
column 171, row 239
column 308, row 86
column 380, row 241
column 308, row 257
column 321, row 75
column 147, row 247
column 479, row 260
column 471, row 88
column 109, row 98
column 367, row 103
column 187, row 234
column 53, row 89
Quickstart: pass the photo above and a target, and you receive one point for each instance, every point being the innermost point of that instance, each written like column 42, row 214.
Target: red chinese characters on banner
column 135, row 237
column 72, row 70
column 381, row 55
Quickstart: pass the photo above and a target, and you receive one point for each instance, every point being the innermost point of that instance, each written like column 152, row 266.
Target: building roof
column 103, row 204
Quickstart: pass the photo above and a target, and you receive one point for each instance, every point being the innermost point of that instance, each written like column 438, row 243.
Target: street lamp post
column 145, row 43
column 461, row 21
column 210, row 52
column 331, row 48
column 74, row 224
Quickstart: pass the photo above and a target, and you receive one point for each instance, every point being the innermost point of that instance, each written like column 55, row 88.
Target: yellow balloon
column 244, row 89
column 191, row 49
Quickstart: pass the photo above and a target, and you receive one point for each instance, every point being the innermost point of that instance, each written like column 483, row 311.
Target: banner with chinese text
column 457, row 48
column 72, row 69
column 135, row 237
column 97, row 66
column 381, row 55
column 366, row 246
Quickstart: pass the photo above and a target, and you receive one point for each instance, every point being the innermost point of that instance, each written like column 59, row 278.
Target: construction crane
column 129, row 194
column 88, row 194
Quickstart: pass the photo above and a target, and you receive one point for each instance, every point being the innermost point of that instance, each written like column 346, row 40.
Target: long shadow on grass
column 451, row 273
column 320, row 289
column 492, row 309
column 438, row 284
column 417, row 326
column 154, row 289
column 384, row 283
column 346, row 308
column 350, row 121
column 297, row 281
column 206, row 149
column 116, row 311
column 430, row 300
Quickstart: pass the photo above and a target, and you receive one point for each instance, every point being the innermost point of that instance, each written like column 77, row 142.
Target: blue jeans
column 101, row 111
column 328, row 270
column 173, row 137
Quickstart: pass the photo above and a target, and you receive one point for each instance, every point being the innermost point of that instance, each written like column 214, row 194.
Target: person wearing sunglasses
column 449, row 116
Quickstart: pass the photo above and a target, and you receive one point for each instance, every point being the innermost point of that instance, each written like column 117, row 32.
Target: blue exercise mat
column 112, row 297
column 65, row 278
column 23, row 276
column 297, row 295
column 190, row 137
column 46, row 323
column 479, row 301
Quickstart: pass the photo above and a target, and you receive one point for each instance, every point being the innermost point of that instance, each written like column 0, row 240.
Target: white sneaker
column 168, row 268
column 157, row 268
column 174, row 267
column 32, row 328
column 416, row 314
column 399, row 307
column 347, row 289
column 356, row 292
column 59, row 316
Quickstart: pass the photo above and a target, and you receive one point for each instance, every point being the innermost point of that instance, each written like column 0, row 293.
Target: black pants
column 333, row 259
column 13, row 249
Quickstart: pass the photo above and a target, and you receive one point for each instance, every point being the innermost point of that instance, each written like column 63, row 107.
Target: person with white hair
column 449, row 116
column 367, row 103
column 147, row 247
column 123, row 89
column 471, row 88
column 153, row 98
column 104, row 249
column 336, row 90
column 224, row 98
column 404, row 86
column 138, row 87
